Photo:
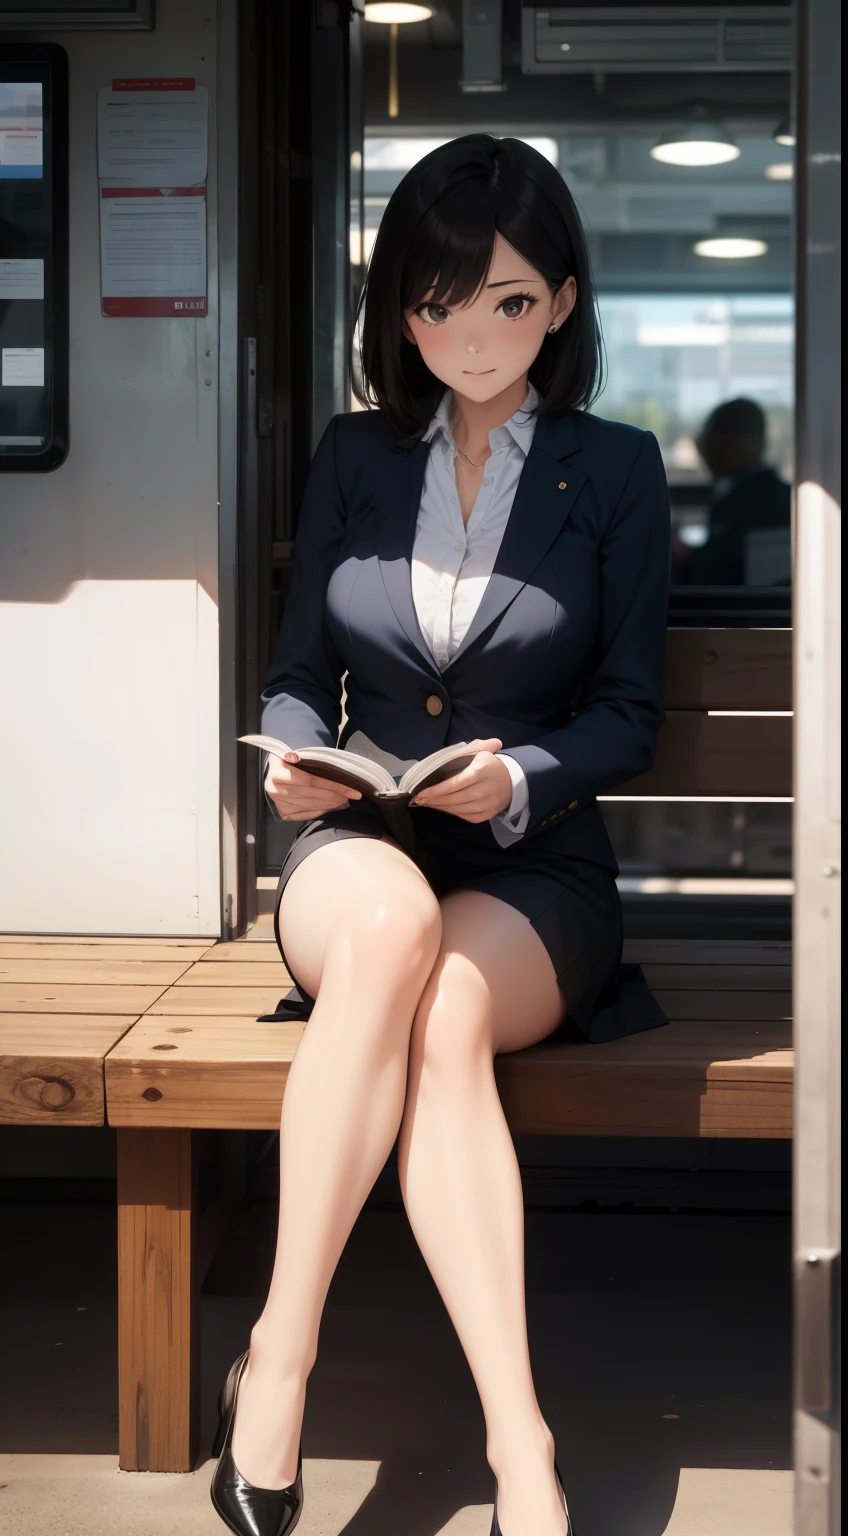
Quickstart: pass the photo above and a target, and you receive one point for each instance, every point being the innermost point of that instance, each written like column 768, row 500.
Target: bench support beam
column 158, row 1300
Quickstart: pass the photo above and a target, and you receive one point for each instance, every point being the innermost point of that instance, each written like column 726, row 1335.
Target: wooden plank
column 158, row 1406
column 237, row 1002
column 230, row 974
column 718, row 952
column 244, row 952
column 229, row 1072
column 716, row 978
column 51, row 1067
column 590, row 1103
column 24, row 997
column 96, row 973
column 215, row 1071
column 733, row 755
column 732, row 1051
column 728, row 669
column 130, row 949
column 717, row 1005
column 193, row 946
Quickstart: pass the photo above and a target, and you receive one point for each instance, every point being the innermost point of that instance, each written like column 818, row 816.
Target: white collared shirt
column 452, row 562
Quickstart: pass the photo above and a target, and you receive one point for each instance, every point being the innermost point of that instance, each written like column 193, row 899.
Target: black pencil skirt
column 573, row 905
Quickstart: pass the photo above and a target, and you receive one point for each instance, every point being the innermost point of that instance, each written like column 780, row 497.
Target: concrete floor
column 661, row 1345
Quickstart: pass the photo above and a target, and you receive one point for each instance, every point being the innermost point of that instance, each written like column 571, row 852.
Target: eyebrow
column 507, row 280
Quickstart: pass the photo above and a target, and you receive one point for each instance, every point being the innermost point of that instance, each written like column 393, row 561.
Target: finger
column 462, row 780
column 314, row 804
column 308, row 785
column 302, row 776
column 312, row 815
column 460, row 804
column 288, row 774
column 469, row 814
column 461, row 783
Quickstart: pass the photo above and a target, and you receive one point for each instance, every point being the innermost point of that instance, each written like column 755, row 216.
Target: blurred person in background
column 749, row 540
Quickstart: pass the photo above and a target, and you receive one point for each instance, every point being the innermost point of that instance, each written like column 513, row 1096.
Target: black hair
column 438, row 233
column 740, row 418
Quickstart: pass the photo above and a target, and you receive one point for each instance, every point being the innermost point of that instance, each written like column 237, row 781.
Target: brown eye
column 514, row 307
column 432, row 314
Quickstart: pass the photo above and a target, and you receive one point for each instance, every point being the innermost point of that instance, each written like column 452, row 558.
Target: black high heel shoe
column 496, row 1530
column 247, row 1510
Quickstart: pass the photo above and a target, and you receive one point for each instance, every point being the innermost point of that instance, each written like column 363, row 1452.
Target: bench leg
column 158, row 1300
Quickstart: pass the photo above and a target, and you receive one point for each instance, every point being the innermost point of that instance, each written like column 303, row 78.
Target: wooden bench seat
column 198, row 1057
column 63, row 1005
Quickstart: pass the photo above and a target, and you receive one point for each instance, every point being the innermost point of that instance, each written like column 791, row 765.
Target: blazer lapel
column 399, row 497
column 544, row 497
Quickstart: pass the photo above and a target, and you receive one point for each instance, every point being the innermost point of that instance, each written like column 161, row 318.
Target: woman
column 470, row 554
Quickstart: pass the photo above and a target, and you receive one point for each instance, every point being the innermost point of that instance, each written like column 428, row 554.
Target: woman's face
column 482, row 347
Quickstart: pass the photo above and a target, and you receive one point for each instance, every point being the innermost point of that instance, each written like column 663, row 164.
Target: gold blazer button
column 434, row 705
column 563, row 485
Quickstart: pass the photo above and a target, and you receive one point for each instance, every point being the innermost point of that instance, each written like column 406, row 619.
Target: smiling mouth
column 478, row 374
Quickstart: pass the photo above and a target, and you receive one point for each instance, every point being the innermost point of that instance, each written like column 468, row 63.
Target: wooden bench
column 171, row 1043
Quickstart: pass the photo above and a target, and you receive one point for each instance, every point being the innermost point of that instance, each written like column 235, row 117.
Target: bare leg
column 361, row 931
column 492, row 989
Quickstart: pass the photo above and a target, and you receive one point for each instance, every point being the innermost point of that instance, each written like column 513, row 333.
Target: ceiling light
column 783, row 171
column 730, row 248
column 702, row 143
column 785, row 134
column 397, row 13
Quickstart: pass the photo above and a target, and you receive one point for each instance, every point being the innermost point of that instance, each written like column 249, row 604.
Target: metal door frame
column 816, row 831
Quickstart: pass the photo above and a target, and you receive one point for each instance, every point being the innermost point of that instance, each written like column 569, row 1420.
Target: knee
column 452, row 1031
column 394, row 933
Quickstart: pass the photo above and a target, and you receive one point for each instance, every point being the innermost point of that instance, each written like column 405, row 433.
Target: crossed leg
column 493, row 988
column 361, row 929
column 405, row 1030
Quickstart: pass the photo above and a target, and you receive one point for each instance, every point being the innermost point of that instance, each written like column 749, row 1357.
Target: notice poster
column 152, row 133
column 21, row 277
column 21, row 131
column 153, row 251
column 152, row 160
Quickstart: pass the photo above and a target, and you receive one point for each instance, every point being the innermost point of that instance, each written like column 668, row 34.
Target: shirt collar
column 519, row 428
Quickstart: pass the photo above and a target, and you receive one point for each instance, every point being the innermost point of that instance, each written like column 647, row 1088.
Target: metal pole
column 816, row 833
column 394, row 109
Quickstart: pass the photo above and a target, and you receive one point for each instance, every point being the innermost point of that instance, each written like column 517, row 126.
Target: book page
column 395, row 767
column 440, row 765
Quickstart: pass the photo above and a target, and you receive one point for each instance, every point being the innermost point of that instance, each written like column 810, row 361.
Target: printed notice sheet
column 21, row 277
column 22, row 367
column 153, row 251
column 21, row 131
column 152, row 138
column 151, row 153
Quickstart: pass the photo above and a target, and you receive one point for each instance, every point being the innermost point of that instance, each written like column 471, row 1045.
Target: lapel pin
column 562, row 485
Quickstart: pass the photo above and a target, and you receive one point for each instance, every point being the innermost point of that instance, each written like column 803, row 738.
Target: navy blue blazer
column 563, row 660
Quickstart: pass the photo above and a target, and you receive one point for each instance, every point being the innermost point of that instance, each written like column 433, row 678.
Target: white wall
column 109, row 695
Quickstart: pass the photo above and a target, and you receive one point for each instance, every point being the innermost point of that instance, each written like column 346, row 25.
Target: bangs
column 449, row 259
column 436, row 242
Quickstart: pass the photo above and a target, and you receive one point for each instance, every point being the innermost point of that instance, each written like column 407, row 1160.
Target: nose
column 472, row 348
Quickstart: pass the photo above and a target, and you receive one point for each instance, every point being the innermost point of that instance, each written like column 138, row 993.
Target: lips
column 470, row 373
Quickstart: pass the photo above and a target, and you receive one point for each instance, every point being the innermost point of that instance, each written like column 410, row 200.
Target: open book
column 375, row 773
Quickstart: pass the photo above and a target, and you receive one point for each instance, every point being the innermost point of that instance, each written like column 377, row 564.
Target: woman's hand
column 299, row 795
column 480, row 791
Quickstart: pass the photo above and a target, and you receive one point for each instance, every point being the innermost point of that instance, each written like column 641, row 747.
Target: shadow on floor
column 659, row 1342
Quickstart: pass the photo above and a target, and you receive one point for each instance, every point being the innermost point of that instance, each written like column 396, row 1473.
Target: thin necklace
column 466, row 458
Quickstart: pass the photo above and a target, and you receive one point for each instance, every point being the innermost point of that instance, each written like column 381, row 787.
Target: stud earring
column 551, row 329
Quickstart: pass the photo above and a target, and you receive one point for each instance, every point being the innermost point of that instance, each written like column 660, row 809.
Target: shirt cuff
column 510, row 825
